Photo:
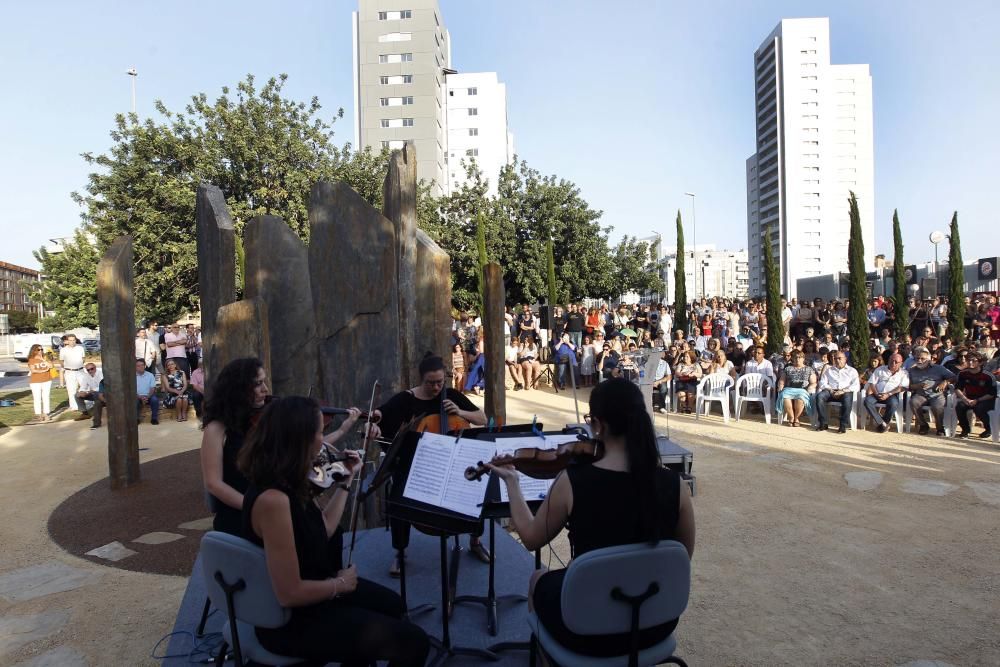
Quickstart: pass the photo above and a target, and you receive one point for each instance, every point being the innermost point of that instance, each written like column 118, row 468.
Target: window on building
column 407, row 57
column 384, row 122
column 407, row 122
column 473, row 111
column 811, row 77
column 472, row 152
column 395, row 37
column 406, row 14
column 385, row 144
column 383, row 16
column 383, row 58
column 473, row 91
column 408, row 100
column 473, row 131
column 395, row 15
column 383, row 101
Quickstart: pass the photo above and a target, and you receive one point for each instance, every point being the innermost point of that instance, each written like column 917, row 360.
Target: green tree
column 550, row 264
column 772, row 283
column 630, row 272
column 857, row 314
column 902, row 310
column 21, row 321
column 680, row 286
column 69, row 285
column 263, row 150
column 956, row 284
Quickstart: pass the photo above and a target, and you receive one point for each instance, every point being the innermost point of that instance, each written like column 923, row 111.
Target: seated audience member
column 876, row 317
column 795, row 389
column 688, row 374
column 607, row 362
column 720, row 364
column 457, row 367
column 886, row 385
column 758, row 364
column 510, row 360
column 838, row 383
column 174, row 384
column 976, row 392
column 100, row 402
column 145, row 390
column 88, row 387
column 661, row 385
column 928, row 382
column 875, row 361
column 531, row 367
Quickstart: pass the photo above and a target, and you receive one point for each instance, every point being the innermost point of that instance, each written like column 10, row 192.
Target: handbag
column 53, row 373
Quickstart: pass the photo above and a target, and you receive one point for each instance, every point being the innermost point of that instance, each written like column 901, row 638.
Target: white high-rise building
column 402, row 53
column 814, row 146
column 477, row 127
column 720, row 273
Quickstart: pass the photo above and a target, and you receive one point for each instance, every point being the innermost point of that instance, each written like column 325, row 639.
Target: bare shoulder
column 273, row 501
column 213, row 433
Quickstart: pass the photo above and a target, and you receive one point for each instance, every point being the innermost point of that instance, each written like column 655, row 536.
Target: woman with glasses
column 174, row 383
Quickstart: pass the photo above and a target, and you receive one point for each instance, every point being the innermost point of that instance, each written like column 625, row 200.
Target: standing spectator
column 191, row 347
column 886, row 385
column 154, row 337
column 565, row 357
column 175, row 344
column 939, row 316
column 40, row 381
column 145, row 390
column 928, row 382
column 197, row 389
column 526, row 325
column 510, row 329
column 824, row 318
column 145, row 349
column 175, row 384
column 90, row 382
column 575, row 322
column 71, row 358
column 593, row 322
column 804, row 319
column 588, row 357
column 839, row 383
column 976, row 392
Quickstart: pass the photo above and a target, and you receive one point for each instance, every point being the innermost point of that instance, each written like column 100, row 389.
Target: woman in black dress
column 626, row 497
column 336, row 616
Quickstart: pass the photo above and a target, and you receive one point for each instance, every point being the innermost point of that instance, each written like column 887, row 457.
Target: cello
column 442, row 422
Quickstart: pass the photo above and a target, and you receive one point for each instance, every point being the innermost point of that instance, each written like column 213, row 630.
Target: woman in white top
column 720, row 364
column 531, row 368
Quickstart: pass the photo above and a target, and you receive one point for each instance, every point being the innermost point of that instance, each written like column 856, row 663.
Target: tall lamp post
column 936, row 237
column 656, row 260
column 694, row 242
column 132, row 74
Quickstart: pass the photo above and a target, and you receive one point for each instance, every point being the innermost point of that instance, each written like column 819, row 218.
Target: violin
column 543, row 463
column 328, row 468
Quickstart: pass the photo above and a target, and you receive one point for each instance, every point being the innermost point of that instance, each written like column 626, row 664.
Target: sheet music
column 531, row 488
column 437, row 475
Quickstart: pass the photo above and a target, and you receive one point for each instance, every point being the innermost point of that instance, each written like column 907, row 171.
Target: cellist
column 431, row 397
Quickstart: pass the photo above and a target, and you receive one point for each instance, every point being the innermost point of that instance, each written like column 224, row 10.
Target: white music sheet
column 437, row 475
column 531, row 488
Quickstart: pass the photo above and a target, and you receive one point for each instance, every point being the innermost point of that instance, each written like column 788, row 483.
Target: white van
column 23, row 343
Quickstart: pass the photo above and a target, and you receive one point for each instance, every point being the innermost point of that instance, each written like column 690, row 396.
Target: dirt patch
column 170, row 494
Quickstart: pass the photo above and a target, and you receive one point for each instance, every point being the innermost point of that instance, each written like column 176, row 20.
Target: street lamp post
column 132, row 73
column 656, row 261
column 694, row 242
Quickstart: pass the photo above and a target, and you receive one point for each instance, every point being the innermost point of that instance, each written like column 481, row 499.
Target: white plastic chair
column 859, row 396
column 897, row 415
column 949, row 418
column 713, row 387
column 995, row 420
column 756, row 388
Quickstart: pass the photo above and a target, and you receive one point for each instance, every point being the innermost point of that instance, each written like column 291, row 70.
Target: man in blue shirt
column 565, row 354
column 145, row 390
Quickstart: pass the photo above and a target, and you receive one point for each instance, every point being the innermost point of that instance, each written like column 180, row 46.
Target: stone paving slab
column 61, row 656
column 158, row 537
column 46, row 578
column 863, row 480
column 927, row 487
column 18, row 631
column 988, row 493
column 112, row 551
column 197, row 524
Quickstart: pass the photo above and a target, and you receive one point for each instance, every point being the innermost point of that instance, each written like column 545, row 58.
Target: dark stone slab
column 433, row 289
column 277, row 274
column 399, row 197
column 216, row 265
column 492, row 317
column 352, row 266
column 116, row 315
column 242, row 331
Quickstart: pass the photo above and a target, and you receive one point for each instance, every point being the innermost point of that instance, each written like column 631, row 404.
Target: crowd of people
column 813, row 370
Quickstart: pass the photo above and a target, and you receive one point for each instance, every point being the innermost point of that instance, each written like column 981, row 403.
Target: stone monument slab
column 399, row 206
column 216, row 265
column 494, row 403
column 242, row 331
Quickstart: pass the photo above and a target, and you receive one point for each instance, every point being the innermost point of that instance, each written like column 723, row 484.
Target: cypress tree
column 857, row 315
column 680, row 288
column 775, row 325
column 956, row 284
column 899, row 279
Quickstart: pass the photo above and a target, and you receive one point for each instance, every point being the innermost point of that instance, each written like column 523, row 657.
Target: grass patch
column 23, row 410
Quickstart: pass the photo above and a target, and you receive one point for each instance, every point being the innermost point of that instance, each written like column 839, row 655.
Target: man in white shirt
column 838, row 384
column 886, row 385
column 661, row 383
column 145, row 391
column 145, row 349
column 757, row 363
column 89, row 387
column 71, row 356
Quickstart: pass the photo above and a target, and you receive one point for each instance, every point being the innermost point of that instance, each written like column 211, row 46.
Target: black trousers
column 980, row 410
column 354, row 629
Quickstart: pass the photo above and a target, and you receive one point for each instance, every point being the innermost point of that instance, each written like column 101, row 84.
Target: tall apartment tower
column 402, row 54
column 477, row 127
column 814, row 146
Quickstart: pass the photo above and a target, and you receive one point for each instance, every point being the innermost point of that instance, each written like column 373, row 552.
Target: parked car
column 92, row 345
column 23, row 343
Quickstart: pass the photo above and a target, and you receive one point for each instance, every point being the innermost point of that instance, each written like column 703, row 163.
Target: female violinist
column 336, row 616
column 237, row 397
column 625, row 497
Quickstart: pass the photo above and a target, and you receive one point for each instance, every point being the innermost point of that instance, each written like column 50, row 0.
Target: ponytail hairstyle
column 430, row 363
column 277, row 452
column 620, row 405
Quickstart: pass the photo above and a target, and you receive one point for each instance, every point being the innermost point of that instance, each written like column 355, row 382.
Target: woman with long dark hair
column 336, row 616
column 626, row 497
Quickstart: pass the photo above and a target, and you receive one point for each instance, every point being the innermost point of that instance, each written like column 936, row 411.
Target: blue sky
column 636, row 102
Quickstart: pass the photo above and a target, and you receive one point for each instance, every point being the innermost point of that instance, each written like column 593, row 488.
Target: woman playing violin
column 336, row 616
column 237, row 397
column 625, row 497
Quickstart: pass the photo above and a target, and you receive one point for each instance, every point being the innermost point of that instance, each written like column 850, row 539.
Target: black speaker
column 545, row 317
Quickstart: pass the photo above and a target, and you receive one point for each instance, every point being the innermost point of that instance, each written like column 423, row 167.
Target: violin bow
column 361, row 475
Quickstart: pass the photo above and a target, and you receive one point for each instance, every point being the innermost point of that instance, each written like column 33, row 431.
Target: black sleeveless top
column 319, row 557
column 604, row 503
column 227, row 519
